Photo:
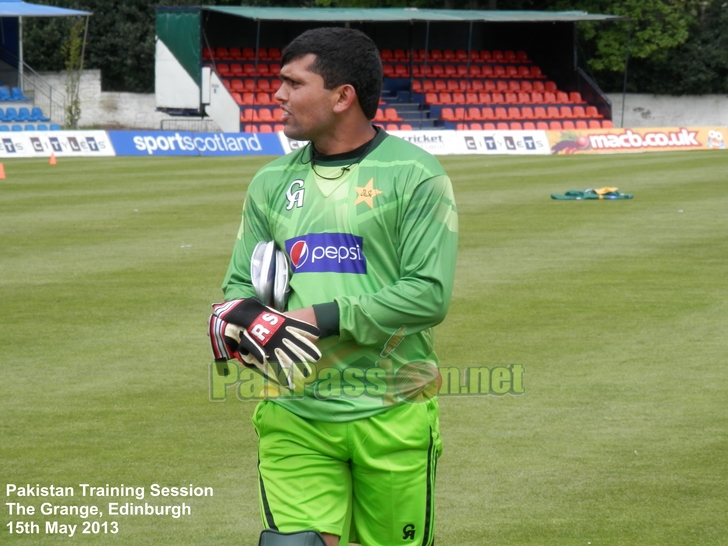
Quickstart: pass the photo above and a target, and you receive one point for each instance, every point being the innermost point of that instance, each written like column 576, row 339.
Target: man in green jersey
column 368, row 224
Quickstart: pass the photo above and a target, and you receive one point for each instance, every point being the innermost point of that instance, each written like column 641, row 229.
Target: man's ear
column 345, row 98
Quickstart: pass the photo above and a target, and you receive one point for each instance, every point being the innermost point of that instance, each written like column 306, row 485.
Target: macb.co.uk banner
column 661, row 139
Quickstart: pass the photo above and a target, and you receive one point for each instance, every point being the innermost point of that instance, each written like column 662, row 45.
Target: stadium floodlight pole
column 470, row 43
column 257, row 49
column 626, row 63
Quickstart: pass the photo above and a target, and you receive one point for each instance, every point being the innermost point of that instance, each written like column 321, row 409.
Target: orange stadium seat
column 539, row 112
column 591, row 111
column 390, row 114
column 523, row 72
column 568, row 124
column 502, row 126
column 552, row 112
column 521, row 56
column 488, row 113
column 536, row 72
column 607, row 124
column 488, row 127
column 566, row 112
column 265, row 128
column 555, row 125
column 516, row 126
column 529, row 126
column 575, row 97
column 501, row 113
column 562, row 98
column 594, row 124
column 581, row 124
column 527, row 113
column 379, row 116
column 486, row 71
column 542, row 126
column 432, row 98
column 445, row 98
column 514, row 113
column 484, row 98
column 447, row 114
column 579, row 112
column 223, row 70
column 497, row 98
column 496, row 56
column 235, row 53
column 474, row 114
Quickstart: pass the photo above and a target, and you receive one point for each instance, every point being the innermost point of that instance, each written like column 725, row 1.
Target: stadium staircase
column 445, row 89
column 26, row 108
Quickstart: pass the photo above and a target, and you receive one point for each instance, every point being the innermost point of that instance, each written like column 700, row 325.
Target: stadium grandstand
column 443, row 69
column 27, row 102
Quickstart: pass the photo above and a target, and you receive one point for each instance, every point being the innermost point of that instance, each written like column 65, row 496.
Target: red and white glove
column 258, row 335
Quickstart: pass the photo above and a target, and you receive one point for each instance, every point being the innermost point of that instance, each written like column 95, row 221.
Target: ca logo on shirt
column 294, row 194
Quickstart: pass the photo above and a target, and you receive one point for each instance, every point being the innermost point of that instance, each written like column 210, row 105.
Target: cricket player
column 368, row 226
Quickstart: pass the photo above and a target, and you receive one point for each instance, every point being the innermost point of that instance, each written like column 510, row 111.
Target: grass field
column 618, row 311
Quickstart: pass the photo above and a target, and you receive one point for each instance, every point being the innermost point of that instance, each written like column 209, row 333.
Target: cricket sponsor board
column 447, row 142
column 660, row 139
column 185, row 143
column 58, row 143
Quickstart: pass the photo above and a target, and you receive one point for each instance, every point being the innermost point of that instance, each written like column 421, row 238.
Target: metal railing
column 195, row 125
column 44, row 96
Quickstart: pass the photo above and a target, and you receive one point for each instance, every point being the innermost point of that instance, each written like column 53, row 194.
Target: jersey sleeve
column 427, row 251
column 254, row 228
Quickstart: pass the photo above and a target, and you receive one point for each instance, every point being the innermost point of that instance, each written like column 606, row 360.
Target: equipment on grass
column 583, row 195
column 300, row 538
column 258, row 336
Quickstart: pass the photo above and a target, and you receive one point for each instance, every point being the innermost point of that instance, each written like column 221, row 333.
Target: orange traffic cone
column 2, row 172
column 52, row 160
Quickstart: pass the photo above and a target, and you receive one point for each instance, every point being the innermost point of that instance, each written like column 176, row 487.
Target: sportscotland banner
column 183, row 143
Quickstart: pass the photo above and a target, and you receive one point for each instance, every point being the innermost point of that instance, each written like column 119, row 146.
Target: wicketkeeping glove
column 258, row 335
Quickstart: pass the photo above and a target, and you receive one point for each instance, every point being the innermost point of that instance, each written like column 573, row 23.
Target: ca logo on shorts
column 408, row 532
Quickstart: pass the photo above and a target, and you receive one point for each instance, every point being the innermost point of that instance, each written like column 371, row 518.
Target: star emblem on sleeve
column 366, row 194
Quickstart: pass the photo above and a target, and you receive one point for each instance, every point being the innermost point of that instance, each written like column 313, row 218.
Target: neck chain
column 312, row 160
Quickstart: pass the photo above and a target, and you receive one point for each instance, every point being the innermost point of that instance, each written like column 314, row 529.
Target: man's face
column 307, row 105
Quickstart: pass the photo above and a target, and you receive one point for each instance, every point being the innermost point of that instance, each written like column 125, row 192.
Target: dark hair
column 343, row 56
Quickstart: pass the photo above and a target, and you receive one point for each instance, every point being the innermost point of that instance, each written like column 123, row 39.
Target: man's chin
column 293, row 134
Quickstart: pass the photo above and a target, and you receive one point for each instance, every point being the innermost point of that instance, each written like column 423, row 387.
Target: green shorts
column 370, row 481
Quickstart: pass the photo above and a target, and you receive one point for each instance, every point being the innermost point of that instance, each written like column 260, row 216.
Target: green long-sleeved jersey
column 371, row 243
